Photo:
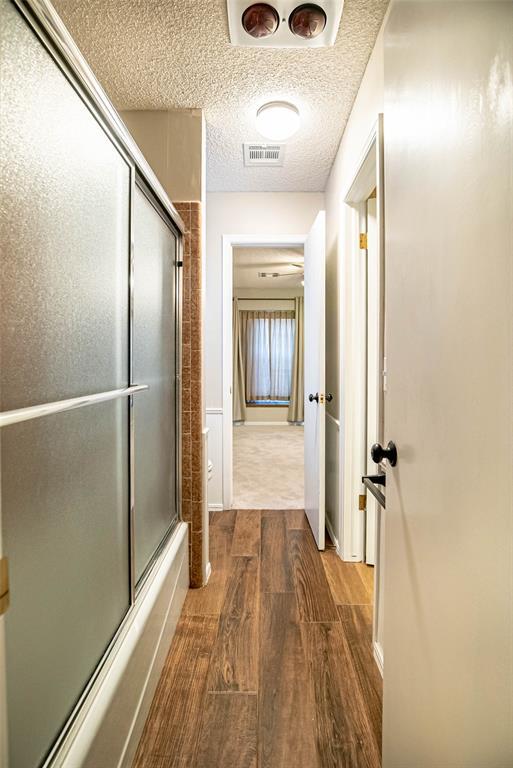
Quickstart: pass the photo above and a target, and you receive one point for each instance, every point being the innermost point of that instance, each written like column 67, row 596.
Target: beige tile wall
column 193, row 482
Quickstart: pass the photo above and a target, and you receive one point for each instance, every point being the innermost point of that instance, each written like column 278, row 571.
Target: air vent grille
column 263, row 154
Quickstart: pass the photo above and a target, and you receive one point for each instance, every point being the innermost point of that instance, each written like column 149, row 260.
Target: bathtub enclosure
column 89, row 394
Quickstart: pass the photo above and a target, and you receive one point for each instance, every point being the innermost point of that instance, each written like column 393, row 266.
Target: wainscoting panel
column 215, row 451
column 332, row 479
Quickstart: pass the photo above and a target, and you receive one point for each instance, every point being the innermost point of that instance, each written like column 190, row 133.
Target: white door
column 374, row 367
column 314, row 354
column 448, row 687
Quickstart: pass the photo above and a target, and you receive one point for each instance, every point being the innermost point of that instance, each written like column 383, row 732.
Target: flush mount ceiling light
column 260, row 20
column 307, row 21
column 277, row 120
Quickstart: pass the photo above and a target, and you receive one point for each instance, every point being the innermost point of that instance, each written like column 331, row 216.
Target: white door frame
column 229, row 243
column 368, row 176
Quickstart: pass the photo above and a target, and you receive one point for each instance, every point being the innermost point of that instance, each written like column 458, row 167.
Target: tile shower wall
column 193, row 480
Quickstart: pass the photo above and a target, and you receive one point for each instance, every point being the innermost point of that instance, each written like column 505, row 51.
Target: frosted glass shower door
column 154, row 363
column 64, row 212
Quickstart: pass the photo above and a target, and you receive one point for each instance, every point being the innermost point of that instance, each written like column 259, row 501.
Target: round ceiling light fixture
column 307, row 21
column 277, row 120
column 260, row 20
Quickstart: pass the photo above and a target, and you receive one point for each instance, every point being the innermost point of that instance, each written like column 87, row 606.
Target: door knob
column 378, row 453
column 329, row 397
column 314, row 397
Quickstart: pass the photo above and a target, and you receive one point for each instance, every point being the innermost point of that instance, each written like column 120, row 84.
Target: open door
column 315, row 397
column 448, row 683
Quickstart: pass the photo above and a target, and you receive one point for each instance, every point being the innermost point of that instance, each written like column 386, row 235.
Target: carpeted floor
column 268, row 467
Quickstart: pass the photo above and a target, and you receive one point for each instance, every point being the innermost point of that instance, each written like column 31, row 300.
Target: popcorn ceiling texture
column 162, row 54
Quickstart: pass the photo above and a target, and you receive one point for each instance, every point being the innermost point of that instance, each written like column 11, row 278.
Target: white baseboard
column 215, row 507
column 332, row 534
column 109, row 724
column 267, row 424
column 378, row 655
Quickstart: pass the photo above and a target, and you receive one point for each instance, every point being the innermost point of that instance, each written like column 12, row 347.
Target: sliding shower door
column 87, row 493
column 154, row 362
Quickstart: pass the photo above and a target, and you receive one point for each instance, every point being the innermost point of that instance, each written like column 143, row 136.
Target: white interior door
column 373, row 373
column 314, row 353
column 448, row 682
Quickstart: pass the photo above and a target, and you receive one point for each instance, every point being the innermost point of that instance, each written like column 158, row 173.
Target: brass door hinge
column 363, row 241
column 362, row 502
column 4, row 585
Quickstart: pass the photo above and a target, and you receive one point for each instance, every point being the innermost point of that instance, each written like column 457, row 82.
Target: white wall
column 368, row 104
column 266, row 213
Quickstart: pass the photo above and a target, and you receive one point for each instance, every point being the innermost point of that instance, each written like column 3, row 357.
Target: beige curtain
column 239, row 365
column 269, row 345
column 297, row 392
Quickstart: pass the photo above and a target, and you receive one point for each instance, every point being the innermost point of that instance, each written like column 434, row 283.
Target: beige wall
column 172, row 142
column 368, row 104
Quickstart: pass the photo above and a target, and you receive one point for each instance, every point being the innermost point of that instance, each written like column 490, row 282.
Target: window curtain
column 269, row 344
column 239, row 365
column 297, row 392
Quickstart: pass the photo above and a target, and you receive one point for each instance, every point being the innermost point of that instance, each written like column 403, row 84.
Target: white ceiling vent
column 263, row 154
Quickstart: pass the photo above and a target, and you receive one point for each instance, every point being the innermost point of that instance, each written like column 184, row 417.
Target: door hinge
column 363, row 241
column 4, row 585
column 362, row 502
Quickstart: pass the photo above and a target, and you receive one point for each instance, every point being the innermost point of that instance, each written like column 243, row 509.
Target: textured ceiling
column 248, row 262
column 160, row 54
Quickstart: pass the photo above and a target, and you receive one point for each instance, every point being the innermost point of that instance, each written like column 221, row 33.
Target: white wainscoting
column 215, row 451
column 332, row 479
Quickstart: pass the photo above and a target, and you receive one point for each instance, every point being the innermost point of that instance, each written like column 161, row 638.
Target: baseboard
column 215, row 507
column 109, row 724
column 208, row 573
column 332, row 534
column 378, row 656
column 268, row 424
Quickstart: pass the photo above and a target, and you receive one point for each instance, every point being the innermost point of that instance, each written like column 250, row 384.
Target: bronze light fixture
column 307, row 20
column 260, row 20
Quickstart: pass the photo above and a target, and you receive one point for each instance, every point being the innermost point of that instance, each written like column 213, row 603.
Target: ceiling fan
column 299, row 267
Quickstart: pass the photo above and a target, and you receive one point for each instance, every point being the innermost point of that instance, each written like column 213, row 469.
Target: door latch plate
column 4, row 585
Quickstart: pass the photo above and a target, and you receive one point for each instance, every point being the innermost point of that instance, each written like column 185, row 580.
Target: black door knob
column 314, row 397
column 378, row 453
column 329, row 397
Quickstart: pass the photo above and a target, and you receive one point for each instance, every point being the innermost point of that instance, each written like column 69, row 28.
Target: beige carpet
column 268, row 467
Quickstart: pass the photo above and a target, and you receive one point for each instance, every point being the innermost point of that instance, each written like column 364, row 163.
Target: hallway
column 271, row 664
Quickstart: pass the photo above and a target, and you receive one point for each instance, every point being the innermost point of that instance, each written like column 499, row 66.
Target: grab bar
column 371, row 482
column 48, row 409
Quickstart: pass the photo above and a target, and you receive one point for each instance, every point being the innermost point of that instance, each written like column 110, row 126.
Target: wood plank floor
column 271, row 665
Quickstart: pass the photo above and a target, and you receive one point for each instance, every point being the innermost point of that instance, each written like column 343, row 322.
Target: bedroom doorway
column 273, row 373
column 268, row 386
